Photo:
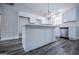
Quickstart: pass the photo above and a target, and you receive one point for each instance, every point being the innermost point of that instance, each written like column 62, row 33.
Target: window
column 57, row 19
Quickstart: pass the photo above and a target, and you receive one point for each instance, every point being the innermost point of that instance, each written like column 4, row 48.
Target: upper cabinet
column 69, row 15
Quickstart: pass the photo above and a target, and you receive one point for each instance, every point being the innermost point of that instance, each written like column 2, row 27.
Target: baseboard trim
column 9, row 38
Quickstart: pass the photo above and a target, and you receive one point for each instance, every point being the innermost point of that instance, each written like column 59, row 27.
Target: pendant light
column 49, row 13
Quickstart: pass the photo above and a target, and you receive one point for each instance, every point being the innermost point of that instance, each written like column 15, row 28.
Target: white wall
column 0, row 21
column 0, row 25
column 0, row 8
column 9, row 22
column 77, row 11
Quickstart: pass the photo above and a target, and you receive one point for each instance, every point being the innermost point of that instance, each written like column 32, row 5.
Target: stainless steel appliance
column 64, row 32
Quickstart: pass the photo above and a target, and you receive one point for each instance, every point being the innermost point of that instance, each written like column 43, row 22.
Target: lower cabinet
column 57, row 32
column 72, row 33
column 77, row 32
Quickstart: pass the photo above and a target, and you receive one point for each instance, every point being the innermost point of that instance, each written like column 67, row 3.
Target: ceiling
column 42, row 8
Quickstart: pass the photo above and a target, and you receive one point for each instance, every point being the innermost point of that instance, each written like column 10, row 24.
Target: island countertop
column 35, row 25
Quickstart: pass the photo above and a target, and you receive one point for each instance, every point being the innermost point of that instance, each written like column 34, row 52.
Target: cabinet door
column 72, row 33
column 69, row 15
column 57, row 32
column 77, row 32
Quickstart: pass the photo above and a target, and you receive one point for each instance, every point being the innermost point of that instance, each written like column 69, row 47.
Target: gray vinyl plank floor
column 60, row 47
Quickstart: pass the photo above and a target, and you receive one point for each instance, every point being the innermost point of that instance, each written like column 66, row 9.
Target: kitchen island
column 35, row 36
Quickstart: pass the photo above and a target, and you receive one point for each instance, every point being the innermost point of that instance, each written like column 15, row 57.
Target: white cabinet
column 77, row 32
column 72, row 33
column 69, row 15
column 57, row 32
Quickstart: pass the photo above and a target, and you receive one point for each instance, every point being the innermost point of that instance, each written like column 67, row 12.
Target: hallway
column 60, row 47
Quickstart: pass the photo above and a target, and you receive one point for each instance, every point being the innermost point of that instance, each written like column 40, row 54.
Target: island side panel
column 35, row 37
